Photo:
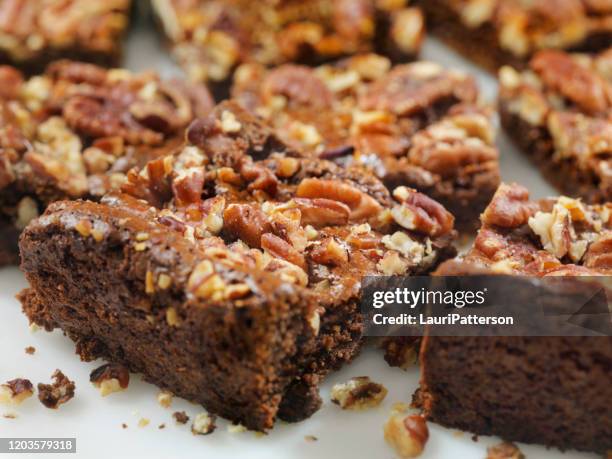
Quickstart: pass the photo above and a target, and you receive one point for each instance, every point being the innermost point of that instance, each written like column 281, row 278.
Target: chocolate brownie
column 417, row 124
column 210, row 38
column 508, row 32
column 230, row 272
column 34, row 33
column 559, row 112
column 550, row 390
column 75, row 131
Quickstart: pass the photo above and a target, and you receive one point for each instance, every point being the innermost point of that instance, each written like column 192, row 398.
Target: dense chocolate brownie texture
column 221, row 263
column 559, row 112
column 508, row 32
column 550, row 390
column 210, row 38
column 34, row 33
column 76, row 130
column 415, row 124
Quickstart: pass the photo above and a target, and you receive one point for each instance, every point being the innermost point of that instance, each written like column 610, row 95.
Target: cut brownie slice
column 560, row 113
column 417, row 125
column 76, row 130
column 550, row 390
column 210, row 38
column 34, row 33
column 282, row 233
column 508, row 32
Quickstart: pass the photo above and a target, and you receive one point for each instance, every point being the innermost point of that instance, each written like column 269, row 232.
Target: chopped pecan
column 188, row 186
column 282, row 249
column 259, row 178
column 509, row 207
column 203, row 424
column 11, row 80
column 247, row 223
column 358, row 393
column 58, row 393
column 599, row 253
column 561, row 72
column 110, row 378
column 300, row 85
column 362, row 205
column 406, row 434
column 329, row 252
column 14, row 392
column 320, row 212
column 504, row 450
column 420, row 213
column 77, row 72
column 554, row 230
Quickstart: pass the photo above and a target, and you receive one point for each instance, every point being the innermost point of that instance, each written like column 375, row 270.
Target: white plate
column 96, row 421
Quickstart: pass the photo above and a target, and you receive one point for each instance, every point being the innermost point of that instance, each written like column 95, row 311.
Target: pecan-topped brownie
column 213, row 270
column 508, row 32
column 550, row 390
column 76, row 130
column 210, row 38
column 34, row 33
column 559, row 112
column 417, row 125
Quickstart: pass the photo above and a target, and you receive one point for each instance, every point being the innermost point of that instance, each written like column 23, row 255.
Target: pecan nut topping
column 421, row 213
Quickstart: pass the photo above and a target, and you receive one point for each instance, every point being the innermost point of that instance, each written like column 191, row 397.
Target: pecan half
column 420, row 213
column 561, row 72
column 247, row 223
column 280, row 248
column 509, row 207
column 298, row 84
column 321, row 212
column 259, row 178
column 362, row 205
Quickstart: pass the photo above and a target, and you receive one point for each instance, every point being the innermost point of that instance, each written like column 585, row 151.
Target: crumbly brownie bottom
column 479, row 44
column 93, row 290
column 536, row 143
column 540, row 389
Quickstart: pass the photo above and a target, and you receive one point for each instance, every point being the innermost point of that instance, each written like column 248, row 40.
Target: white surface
column 96, row 421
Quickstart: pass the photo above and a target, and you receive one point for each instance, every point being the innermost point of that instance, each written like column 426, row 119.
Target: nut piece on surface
column 406, row 434
column 358, row 393
column 164, row 398
column 203, row 424
column 30, row 350
column 58, row 393
column 504, row 450
column 180, row 417
column 110, row 378
column 14, row 392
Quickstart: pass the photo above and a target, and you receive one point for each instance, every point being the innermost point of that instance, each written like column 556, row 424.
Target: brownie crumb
column 56, row 394
column 310, row 438
column 358, row 393
column 180, row 417
column 161, row 426
column 504, row 450
column 14, row 392
column 30, row 350
column 203, row 424
column 124, row 425
column 9, row 416
column 110, row 378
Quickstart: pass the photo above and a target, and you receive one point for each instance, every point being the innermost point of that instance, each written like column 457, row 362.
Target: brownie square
column 74, row 132
column 34, row 33
column 233, row 268
column 210, row 38
column 549, row 390
column 508, row 32
column 559, row 111
column 418, row 124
